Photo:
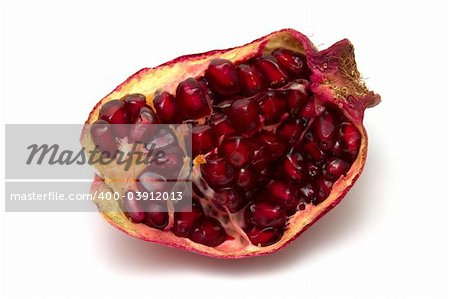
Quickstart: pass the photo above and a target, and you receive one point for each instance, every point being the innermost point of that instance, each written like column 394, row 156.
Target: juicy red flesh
column 217, row 172
column 223, row 77
column 133, row 208
column 272, row 106
column 134, row 103
column 230, row 198
column 203, row 140
column 264, row 236
column 237, row 151
column 271, row 147
column 104, row 137
column 244, row 115
column 250, row 78
column 184, row 220
column 221, row 125
column 292, row 63
column 266, row 213
column 191, row 100
column 115, row 112
column 166, row 108
column 271, row 71
column 208, row 231
column 141, row 131
column 157, row 215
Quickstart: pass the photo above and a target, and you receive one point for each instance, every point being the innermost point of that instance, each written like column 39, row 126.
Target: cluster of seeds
column 271, row 147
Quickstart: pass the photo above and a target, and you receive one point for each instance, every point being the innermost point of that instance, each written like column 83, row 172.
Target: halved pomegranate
column 277, row 135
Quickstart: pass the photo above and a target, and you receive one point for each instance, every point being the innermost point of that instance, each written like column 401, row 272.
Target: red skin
column 327, row 81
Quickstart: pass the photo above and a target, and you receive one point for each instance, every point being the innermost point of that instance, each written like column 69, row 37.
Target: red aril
column 266, row 214
column 166, row 108
column 223, row 77
column 237, row 151
column 244, row 116
column 134, row 103
column 272, row 107
column 191, row 100
column 292, row 63
column 271, row 71
column 203, row 140
column 184, row 219
column 250, row 79
column 217, row 172
column 208, row 231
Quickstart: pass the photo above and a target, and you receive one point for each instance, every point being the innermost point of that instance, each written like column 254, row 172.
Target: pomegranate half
column 277, row 137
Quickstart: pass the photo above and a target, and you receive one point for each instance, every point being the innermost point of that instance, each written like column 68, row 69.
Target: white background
column 388, row 239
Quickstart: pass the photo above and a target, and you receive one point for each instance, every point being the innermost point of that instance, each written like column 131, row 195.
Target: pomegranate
column 277, row 141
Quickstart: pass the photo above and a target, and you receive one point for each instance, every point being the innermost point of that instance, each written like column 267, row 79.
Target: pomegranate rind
column 334, row 78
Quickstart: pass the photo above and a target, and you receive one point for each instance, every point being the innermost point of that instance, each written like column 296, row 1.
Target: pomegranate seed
column 312, row 169
column 337, row 148
column 295, row 100
column 272, row 107
column 133, row 104
column 264, row 236
column 115, row 112
column 323, row 187
column 293, row 63
column 153, row 119
column 237, row 151
column 261, row 156
column 336, row 168
column 275, row 148
column 164, row 138
column 166, row 108
column 203, row 140
column 266, row 213
column 350, row 136
column 216, row 172
column 223, row 77
column 324, row 129
column 104, row 137
column 311, row 149
column 207, row 91
column 307, row 193
column 221, row 125
column 168, row 165
column 230, row 198
column 184, row 220
column 286, row 194
column 208, row 231
column 265, row 175
column 290, row 130
column 245, row 178
column 142, row 131
column 133, row 207
column 244, row 116
column 311, row 109
column 292, row 167
column 250, row 79
column 267, row 64
column 157, row 216
column 191, row 100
